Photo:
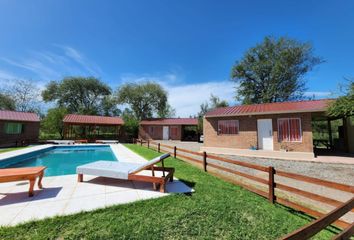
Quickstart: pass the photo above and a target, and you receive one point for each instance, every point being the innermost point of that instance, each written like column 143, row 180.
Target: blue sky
column 189, row 46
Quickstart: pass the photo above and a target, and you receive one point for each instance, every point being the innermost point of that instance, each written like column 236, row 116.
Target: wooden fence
column 201, row 160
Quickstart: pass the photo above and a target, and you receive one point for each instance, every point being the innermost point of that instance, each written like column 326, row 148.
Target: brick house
column 272, row 126
column 169, row 129
column 18, row 128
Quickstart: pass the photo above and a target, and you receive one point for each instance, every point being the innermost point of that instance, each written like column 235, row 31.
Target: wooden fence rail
column 201, row 159
column 316, row 226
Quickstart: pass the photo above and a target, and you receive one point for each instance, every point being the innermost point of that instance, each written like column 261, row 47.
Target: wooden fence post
column 175, row 152
column 158, row 147
column 148, row 142
column 271, row 184
column 205, row 161
column 141, row 142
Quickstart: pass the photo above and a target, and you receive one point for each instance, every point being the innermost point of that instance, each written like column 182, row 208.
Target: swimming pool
column 61, row 160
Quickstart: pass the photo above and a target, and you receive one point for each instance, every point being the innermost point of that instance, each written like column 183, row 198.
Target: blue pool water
column 61, row 160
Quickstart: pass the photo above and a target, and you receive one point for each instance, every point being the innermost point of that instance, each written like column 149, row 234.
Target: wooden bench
column 20, row 174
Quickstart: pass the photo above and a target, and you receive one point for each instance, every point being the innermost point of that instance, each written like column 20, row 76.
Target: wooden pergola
column 91, row 127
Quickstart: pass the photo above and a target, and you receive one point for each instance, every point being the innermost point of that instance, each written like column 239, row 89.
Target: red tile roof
column 271, row 108
column 90, row 119
column 170, row 121
column 19, row 116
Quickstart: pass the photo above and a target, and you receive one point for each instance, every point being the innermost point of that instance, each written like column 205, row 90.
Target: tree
column 167, row 112
column 273, row 71
column 145, row 100
column 53, row 122
column 83, row 95
column 343, row 106
column 7, row 103
column 131, row 124
column 109, row 107
column 24, row 94
column 214, row 102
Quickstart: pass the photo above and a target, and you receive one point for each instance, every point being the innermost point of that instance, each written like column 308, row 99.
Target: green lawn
column 217, row 209
column 11, row 149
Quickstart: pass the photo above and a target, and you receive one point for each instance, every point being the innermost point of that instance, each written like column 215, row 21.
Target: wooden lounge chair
column 19, row 174
column 81, row 141
column 129, row 171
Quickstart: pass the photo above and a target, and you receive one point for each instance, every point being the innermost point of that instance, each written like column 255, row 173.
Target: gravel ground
column 341, row 173
column 192, row 146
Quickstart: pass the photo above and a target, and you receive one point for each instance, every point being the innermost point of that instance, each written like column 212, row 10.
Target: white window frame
column 229, row 134
column 299, row 141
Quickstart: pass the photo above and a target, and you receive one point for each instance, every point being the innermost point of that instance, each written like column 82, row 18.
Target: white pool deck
column 63, row 195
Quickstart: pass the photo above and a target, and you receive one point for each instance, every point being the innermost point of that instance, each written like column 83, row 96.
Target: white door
column 265, row 134
column 165, row 133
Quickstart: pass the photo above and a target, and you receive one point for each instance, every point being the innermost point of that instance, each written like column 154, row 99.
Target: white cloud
column 186, row 98
column 78, row 57
column 53, row 65
column 5, row 76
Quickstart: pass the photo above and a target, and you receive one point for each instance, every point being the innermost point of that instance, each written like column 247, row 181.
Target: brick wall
column 144, row 132
column 247, row 136
column 30, row 133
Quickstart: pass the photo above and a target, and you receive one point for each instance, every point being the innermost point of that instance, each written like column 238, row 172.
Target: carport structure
column 91, row 127
column 184, row 129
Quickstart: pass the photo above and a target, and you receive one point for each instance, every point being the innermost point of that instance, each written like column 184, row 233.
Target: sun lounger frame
column 157, row 182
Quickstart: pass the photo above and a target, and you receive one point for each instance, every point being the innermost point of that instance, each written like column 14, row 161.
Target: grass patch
column 217, row 209
column 11, row 149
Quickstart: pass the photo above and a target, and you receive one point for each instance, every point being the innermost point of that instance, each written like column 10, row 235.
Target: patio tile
column 53, row 194
column 87, row 190
column 121, row 197
column 87, row 203
column 150, row 194
column 9, row 213
column 15, row 199
column 35, row 211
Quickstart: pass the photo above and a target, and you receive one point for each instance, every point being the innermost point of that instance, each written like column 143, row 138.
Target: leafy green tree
column 167, row 112
column 109, row 107
column 145, row 99
column 53, row 122
column 273, row 71
column 214, row 102
column 7, row 103
column 131, row 124
column 343, row 106
column 83, row 95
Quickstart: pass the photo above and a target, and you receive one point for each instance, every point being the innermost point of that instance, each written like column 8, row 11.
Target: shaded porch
column 333, row 136
column 189, row 133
